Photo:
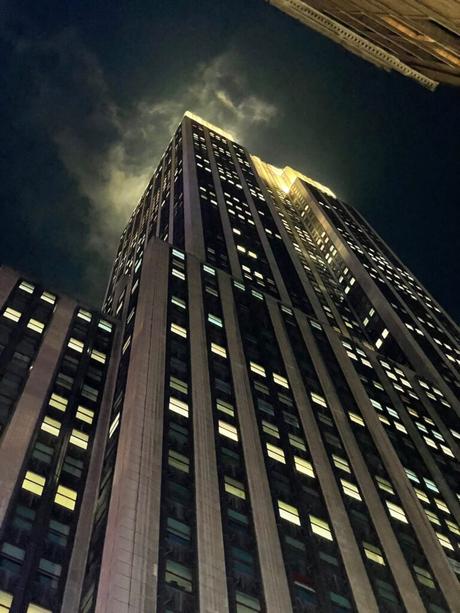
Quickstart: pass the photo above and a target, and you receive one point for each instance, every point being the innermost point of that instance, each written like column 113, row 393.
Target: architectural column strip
column 171, row 191
column 275, row 585
column 401, row 573
column 128, row 581
column 8, row 279
column 351, row 555
column 23, row 424
column 213, row 595
column 193, row 224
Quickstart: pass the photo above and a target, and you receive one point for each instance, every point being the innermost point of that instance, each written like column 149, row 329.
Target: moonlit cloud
column 114, row 178
column 112, row 153
column 110, row 149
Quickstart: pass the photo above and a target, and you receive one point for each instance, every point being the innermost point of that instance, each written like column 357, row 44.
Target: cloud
column 111, row 152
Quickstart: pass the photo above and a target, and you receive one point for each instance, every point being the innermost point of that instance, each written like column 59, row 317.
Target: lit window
column 304, row 466
column 288, row 512
column 178, row 273
column 297, row 442
column 421, row 495
column 178, row 461
column 178, row 254
column 318, row 399
column 246, row 603
column 373, row 553
column 35, row 608
column 447, row 451
column 453, row 527
column 179, row 330
column 356, row 418
column 320, row 527
column 396, row 512
column 80, row 439
column 228, row 430
column 114, row 425
column 48, row 297
column 178, row 575
column 411, row 475
column 431, row 485
column 178, row 406
column 424, row 577
column 275, row 453
column 225, row 407
column 234, row 487
column 441, row 505
column 58, row 402
column 257, row 368
column 76, row 345
column 105, row 325
column 5, row 601
column 84, row 414
column 340, row 463
column 219, row 350
column 270, row 429
column 445, row 542
column 33, row 483
column 178, row 302
column 350, row 489
column 280, row 380
column 213, row 319
column 433, row 518
column 85, row 315
column 52, row 426
column 27, row 287
column 126, row 344
column 98, row 356
column 66, row 497
column 12, row 314
column 384, row 485
column 35, row 325
column 178, row 384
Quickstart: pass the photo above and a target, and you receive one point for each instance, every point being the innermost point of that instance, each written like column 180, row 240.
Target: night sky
column 91, row 92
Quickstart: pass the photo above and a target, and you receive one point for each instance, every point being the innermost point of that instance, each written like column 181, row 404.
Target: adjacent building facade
column 54, row 362
column 421, row 40
column 276, row 420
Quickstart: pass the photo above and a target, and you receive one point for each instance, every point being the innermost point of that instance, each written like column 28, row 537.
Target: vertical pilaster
column 8, row 279
column 128, row 580
column 211, row 559
column 276, row 589
column 194, row 238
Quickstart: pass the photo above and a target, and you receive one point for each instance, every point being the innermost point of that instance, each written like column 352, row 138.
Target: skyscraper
column 279, row 426
column 54, row 359
column 420, row 40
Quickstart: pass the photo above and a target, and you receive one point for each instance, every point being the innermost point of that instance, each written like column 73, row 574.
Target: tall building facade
column 278, row 427
column 420, row 40
column 54, row 361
